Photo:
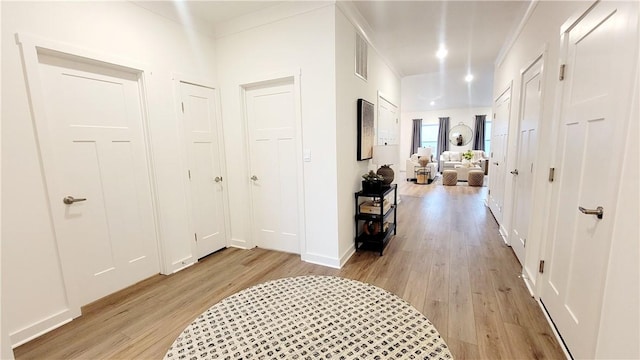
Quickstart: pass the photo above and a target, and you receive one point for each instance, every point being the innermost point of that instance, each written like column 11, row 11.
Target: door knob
column 217, row 179
column 495, row 163
column 599, row 211
column 515, row 172
column 70, row 200
column 254, row 178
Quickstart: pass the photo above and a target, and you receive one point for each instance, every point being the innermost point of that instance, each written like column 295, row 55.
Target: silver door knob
column 217, row 179
column 599, row 211
column 70, row 200
column 254, row 178
column 515, row 172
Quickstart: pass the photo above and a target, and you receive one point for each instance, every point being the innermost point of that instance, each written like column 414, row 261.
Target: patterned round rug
column 310, row 317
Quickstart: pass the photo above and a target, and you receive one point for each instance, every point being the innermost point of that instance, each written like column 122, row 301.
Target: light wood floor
column 447, row 260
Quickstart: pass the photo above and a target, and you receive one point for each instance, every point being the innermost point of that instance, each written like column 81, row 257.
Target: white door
column 94, row 116
column 527, row 146
column 594, row 112
column 205, row 175
column 271, row 117
column 388, row 123
column 497, row 169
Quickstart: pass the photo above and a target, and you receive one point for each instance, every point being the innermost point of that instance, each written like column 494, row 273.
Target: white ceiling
column 410, row 32
column 407, row 34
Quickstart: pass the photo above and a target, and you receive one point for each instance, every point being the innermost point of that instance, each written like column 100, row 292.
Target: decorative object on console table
column 385, row 155
column 365, row 130
column 375, row 218
column 372, row 182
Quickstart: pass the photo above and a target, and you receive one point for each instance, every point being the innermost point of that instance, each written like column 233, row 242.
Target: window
column 430, row 137
column 487, row 138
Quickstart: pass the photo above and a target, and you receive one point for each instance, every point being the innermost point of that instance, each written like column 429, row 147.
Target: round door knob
column 217, row 179
column 254, row 178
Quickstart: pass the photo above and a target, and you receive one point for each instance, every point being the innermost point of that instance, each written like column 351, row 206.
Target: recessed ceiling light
column 442, row 52
column 432, row 103
column 468, row 78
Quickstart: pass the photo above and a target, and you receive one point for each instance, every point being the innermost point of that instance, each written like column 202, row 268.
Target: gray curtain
column 443, row 138
column 416, row 137
column 478, row 138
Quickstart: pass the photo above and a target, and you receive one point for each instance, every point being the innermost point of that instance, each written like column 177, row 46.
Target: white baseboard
column 322, row 260
column 567, row 355
column 348, row 254
column 503, row 234
column 239, row 243
column 41, row 327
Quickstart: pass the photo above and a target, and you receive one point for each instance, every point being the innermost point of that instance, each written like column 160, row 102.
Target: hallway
column 447, row 260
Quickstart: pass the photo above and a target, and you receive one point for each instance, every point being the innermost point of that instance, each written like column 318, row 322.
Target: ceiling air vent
column 361, row 57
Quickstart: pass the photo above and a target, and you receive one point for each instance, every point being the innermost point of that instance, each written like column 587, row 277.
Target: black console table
column 374, row 228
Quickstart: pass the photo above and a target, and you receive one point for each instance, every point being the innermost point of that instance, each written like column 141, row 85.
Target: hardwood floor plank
column 447, row 260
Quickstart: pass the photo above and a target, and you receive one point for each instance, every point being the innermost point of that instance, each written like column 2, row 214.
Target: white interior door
column 527, row 146
column 388, row 123
column 271, row 117
column 497, row 168
column 594, row 113
column 205, row 175
column 94, row 117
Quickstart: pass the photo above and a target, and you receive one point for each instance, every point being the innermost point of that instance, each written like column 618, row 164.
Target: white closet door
column 527, row 146
column 106, row 237
column 594, row 113
column 270, row 111
column 205, row 175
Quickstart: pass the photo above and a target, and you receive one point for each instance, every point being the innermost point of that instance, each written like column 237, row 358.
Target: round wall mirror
column 460, row 135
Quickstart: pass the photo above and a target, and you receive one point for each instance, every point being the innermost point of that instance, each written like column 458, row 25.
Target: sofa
column 449, row 159
column 413, row 165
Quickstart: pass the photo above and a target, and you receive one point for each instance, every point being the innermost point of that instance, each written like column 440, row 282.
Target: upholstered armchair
column 413, row 164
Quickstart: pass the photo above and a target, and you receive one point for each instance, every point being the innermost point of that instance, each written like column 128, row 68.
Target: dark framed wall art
column 365, row 130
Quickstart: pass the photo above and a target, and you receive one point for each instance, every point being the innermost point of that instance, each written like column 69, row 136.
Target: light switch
column 307, row 155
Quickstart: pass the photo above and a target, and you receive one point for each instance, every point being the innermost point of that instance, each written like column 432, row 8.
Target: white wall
column 301, row 43
column 32, row 283
column 466, row 116
column 349, row 89
column 620, row 319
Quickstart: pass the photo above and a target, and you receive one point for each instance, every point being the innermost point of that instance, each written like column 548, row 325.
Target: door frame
column 266, row 79
column 30, row 46
column 542, row 57
column 179, row 79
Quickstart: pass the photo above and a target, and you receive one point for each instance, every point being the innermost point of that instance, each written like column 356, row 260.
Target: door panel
column 270, row 113
column 593, row 116
column 497, row 171
column 206, row 194
column 527, row 147
column 94, row 117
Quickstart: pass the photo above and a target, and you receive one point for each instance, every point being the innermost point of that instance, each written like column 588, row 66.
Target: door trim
column 179, row 79
column 30, row 46
column 266, row 79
